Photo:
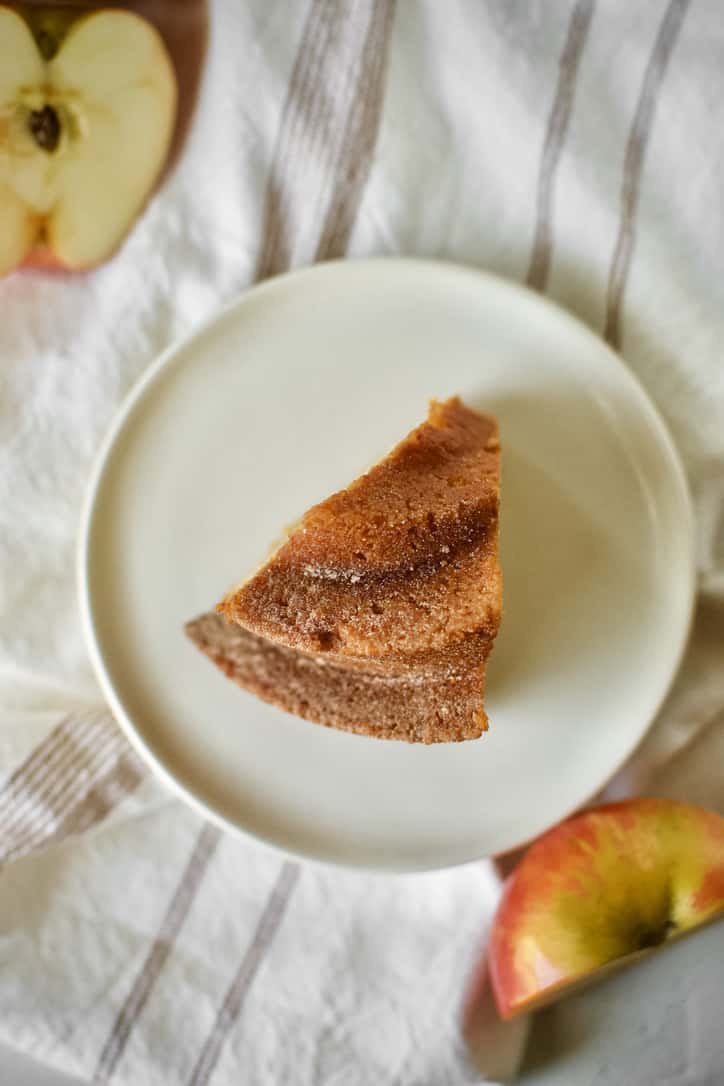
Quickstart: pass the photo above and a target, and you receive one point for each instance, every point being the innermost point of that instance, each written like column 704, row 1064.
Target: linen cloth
column 576, row 146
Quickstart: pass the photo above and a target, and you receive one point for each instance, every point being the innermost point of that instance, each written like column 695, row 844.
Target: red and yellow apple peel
column 601, row 890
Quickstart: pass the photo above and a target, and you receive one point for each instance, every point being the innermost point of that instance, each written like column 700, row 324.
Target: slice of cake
column 378, row 612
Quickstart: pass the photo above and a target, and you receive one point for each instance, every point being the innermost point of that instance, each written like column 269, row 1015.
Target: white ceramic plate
column 287, row 396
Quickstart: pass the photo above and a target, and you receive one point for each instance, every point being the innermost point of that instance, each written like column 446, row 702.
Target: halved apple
column 85, row 127
column 601, row 890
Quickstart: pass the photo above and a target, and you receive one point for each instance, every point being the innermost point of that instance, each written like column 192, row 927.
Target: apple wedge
column 600, row 890
column 85, row 128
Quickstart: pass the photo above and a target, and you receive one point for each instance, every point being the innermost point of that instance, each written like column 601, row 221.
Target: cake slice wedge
column 378, row 612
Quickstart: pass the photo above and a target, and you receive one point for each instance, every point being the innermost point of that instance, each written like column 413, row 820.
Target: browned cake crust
column 404, row 561
column 441, row 706
column 378, row 613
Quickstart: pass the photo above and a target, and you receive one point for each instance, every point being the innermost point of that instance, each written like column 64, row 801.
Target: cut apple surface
column 603, row 888
column 83, row 135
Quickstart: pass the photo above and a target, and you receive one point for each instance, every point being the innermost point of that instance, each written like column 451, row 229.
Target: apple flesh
column 85, row 128
column 600, row 890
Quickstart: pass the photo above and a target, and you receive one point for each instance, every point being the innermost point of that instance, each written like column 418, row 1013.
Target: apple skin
column 42, row 259
column 600, row 890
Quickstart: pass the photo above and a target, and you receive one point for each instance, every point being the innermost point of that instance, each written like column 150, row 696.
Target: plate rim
column 180, row 345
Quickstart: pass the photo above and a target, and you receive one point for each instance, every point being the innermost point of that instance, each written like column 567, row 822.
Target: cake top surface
column 419, row 498
column 403, row 561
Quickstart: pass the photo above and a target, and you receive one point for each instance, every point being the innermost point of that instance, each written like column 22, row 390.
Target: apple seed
column 45, row 127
